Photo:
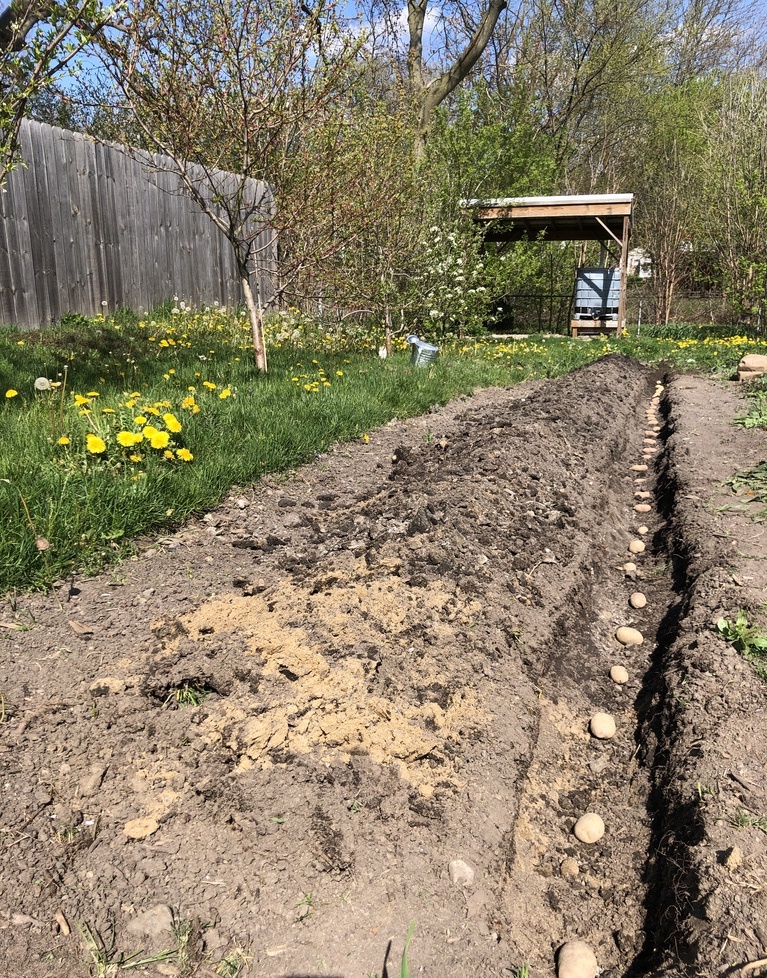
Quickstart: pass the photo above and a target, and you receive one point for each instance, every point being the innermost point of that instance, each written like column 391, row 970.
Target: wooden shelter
column 584, row 217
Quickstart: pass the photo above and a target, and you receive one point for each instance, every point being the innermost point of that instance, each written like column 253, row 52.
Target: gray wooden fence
column 85, row 227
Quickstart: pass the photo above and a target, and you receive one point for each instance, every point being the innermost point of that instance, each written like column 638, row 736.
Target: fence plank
column 85, row 223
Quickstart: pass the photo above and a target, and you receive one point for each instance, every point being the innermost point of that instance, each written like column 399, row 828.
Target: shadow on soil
column 672, row 895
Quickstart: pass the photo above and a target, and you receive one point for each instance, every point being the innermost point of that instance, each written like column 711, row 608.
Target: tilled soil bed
column 360, row 697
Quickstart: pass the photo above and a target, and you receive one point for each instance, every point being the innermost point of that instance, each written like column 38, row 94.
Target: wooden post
column 624, row 270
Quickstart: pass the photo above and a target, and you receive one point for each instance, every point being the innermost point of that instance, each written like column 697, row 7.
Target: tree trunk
column 256, row 315
column 433, row 93
column 17, row 20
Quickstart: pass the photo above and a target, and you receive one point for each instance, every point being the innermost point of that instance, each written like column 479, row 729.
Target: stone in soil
column 576, row 960
column 602, row 726
column 619, row 675
column 627, row 635
column 589, row 828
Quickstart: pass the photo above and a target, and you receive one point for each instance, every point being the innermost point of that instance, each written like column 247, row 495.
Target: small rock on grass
column 460, row 872
column 619, row 675
column 576, row 960
column 589, row 828
column 602, row 726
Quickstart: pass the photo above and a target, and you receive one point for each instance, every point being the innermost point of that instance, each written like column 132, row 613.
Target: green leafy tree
column 668, row 178
column 735, row 192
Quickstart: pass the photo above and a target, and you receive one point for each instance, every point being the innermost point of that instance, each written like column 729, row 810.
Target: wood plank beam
column 553, row 211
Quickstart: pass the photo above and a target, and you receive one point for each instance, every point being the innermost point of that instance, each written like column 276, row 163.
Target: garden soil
column 354, row 703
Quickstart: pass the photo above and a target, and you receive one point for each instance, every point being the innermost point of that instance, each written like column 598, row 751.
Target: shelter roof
column 582, row 217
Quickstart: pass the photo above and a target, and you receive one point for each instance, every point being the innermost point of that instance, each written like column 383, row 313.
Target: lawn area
column 116, row 426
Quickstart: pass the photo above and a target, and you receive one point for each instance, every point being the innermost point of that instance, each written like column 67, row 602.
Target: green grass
column 743, row 820
column 72, row 496
column 750, row 640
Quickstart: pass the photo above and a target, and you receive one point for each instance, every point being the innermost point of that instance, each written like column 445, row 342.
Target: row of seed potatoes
column 576, row 959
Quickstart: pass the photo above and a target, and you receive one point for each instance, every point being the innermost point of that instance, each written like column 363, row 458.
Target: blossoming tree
column 242, row 97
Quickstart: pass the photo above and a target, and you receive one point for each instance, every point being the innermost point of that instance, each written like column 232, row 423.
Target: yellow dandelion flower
column 172, row 423
column 63, row 440
column 225, row 393
column 131, row 403
column 152, row 410
column 107, row 410
column 11, row 393
column 339, row 373
column 94, row 444
column 209, row 385
column 159, row 439
column 93, row 394
column 184, row 454
column 135, row 458
column 79, row 400
column 168, row 454
column 140, row 419
column 128, row 438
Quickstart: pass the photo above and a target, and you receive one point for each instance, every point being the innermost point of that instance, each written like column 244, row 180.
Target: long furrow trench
column 583, row 869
